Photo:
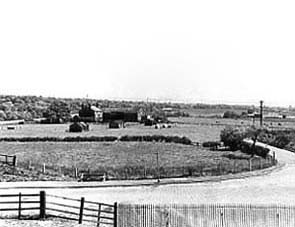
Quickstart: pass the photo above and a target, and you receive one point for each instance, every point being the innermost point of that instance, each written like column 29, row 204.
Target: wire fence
column 142, row 171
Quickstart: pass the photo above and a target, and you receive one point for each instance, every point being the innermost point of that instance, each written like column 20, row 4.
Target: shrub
column 248, row 148
column 281, row 141
column 231, row 114
column 157, row 138
column 232, row 137
column 211, row 144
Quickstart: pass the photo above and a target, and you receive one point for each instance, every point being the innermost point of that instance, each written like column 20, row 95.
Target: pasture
column 199, row 133
column 128, row 160
column 196, row 129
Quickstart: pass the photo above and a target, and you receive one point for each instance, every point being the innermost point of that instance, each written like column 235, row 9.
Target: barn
column 90, row 113
column 120, row 116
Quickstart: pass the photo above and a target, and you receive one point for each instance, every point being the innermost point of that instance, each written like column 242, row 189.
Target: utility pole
column 261, row 113
column 158, row 170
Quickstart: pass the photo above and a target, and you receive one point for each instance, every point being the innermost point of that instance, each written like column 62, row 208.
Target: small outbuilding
column 79, row 127
column 116, row 124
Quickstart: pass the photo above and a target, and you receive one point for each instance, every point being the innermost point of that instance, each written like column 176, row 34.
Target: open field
column 196, row 129
column 195, row 133
column 128, row 160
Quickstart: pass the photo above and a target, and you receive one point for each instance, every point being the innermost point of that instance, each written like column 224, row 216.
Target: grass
column 130, row 160
column 198, row 133
column 197, row 129
column 126, row 160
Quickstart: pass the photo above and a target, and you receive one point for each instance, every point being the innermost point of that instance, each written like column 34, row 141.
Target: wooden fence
column 22, row 204
column 8, row 159
column 213, row 215
column 80, row 210
column 44, row 205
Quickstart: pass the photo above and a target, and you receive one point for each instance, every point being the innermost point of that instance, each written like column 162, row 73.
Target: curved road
column 273, row 188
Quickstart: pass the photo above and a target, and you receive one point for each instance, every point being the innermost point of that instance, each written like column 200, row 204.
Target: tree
column 231, row 114
column 2, row 115
column 58, row 110
column 253, row 133
column 232, row 137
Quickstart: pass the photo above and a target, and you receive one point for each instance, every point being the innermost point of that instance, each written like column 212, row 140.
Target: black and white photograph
column 147, row 113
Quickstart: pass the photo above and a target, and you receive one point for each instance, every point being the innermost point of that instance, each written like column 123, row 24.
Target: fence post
column 44, row 168
column 14, row 160
column 220, row 168
column 98, row 215
column 19, row 206
column 76, row 172
column 273, row 158
column 81, row 210
column 115, row 214
column 42, row 205
column 250, row 164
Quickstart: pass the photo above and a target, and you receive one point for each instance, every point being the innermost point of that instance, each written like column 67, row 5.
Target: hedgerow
column 126, row 138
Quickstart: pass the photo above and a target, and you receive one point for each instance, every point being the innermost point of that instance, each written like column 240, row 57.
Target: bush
column 211, row 144
column 232, row 137
column 231, row 114
column 281, row 141
column 157, row 138
column 247, row 148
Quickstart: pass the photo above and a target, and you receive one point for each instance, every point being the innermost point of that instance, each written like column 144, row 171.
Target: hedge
column 211, row 144
column 248, row 148
column 157, row 138
column 147, row 138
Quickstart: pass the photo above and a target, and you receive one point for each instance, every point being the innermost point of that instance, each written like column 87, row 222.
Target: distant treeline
column 30, row 107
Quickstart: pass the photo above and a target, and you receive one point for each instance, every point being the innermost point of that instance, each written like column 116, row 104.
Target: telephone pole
column 261, row 113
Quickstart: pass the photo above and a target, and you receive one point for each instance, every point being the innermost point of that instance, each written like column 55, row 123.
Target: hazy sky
column 193, row 51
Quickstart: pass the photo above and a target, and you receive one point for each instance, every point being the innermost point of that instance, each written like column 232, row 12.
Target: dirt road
column 276, row 187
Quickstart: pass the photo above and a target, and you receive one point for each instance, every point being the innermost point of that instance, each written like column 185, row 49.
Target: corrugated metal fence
column 213, row 215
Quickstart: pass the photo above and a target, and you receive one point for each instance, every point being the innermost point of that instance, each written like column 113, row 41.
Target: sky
column 180, row 51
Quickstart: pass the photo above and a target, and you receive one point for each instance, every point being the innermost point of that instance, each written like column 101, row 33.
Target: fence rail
column 8, row 159
column 8, row 202
column 82, row 210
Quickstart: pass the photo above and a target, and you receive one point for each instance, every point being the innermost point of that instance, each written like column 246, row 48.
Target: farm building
column 89, row 113
column 274, row 115
column 78, row 127
column 12, row 122
column 116, row 124
column 120, row 116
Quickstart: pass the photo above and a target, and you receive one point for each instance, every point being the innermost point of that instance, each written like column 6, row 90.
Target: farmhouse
column 89, row 113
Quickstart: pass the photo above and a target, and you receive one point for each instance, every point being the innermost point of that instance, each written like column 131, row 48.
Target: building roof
column 95, row 109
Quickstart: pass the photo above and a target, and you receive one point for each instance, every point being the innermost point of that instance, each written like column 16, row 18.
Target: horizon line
column 159, row 100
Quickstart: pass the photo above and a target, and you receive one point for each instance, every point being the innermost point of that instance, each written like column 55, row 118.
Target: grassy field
column 198, row 133
column 197, row 129
column 127, row 160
